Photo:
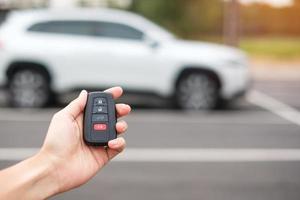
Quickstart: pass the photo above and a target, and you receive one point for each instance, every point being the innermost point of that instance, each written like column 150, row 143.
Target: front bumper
column 236, row 81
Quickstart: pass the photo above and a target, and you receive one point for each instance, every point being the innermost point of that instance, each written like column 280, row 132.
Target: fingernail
column 81, row 93
column 126, row 106
column 114, row 142
column 129, row 107
column 125, row 125
column 123, row 105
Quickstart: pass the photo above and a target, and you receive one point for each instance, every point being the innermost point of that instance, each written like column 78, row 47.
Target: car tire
column 29, row 88
column 197, row 91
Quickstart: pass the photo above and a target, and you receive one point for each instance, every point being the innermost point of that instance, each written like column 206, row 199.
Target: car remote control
column 99, row 119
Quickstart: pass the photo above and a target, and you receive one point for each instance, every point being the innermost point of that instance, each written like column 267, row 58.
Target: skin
column 64, row 162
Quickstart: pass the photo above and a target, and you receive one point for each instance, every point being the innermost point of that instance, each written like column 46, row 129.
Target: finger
column 115, row 91
column 116, row 146
column 77, row 105
column 121, row 127
column 122, row 109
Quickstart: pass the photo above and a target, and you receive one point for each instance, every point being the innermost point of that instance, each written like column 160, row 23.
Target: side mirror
column 154, row 44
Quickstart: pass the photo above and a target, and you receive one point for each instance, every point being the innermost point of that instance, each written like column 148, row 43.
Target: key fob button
column 100, row 101
column 99, row 109
column 100, row 118
column 99, row 127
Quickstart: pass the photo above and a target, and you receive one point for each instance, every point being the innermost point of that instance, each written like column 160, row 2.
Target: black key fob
column 99, row 124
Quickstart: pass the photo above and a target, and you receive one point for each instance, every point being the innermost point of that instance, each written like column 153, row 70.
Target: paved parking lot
column 249, row 152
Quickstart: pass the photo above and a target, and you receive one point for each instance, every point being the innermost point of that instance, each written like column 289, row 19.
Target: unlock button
column 99, row 109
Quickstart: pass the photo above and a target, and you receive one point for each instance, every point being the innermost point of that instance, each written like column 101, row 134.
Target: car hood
column 204, row 51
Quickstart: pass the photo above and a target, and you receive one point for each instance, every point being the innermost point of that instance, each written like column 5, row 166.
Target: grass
column 272, row 47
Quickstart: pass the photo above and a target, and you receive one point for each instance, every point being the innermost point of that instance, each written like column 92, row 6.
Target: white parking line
column 180, row 155
column 277, row 107
column 26, row 115
column 44, row 116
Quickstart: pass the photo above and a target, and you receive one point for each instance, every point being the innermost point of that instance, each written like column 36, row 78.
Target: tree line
column 196, row 18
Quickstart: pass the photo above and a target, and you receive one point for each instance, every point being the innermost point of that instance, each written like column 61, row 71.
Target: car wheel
column 197, row 91
column 28, row 88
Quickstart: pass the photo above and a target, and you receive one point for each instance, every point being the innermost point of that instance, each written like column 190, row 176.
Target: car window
column 116, row 30
column 64, row 27
column 88, row 28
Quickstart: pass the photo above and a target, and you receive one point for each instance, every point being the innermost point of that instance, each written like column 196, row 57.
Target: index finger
column 115, row 91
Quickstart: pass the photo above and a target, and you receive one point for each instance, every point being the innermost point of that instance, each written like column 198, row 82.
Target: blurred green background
column 264, row 30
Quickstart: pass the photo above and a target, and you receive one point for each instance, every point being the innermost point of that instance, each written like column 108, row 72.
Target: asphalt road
column 213, row 175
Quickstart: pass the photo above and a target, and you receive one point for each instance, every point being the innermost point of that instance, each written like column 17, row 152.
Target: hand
column 74, row 162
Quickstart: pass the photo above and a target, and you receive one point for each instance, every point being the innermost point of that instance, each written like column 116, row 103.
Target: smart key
column 99, row 119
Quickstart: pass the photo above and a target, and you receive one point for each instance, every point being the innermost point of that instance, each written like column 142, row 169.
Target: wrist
column 32, row 178
column 43, row 176
column 39, row 177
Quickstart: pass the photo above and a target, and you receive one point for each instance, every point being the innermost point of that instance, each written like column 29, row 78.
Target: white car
column 45, row 52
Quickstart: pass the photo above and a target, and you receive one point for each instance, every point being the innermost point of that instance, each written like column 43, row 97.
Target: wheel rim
column 28, row 89
column 197, row 91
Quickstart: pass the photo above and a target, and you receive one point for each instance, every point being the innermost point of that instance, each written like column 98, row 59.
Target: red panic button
column 100, row 127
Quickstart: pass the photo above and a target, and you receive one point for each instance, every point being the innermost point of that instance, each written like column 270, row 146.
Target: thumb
column 77, row 105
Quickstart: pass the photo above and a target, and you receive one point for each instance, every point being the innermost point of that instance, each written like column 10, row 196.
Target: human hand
column 74, row 162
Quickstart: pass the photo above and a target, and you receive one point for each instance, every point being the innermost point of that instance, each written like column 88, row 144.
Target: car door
column 67, row 47
column 119, row 55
